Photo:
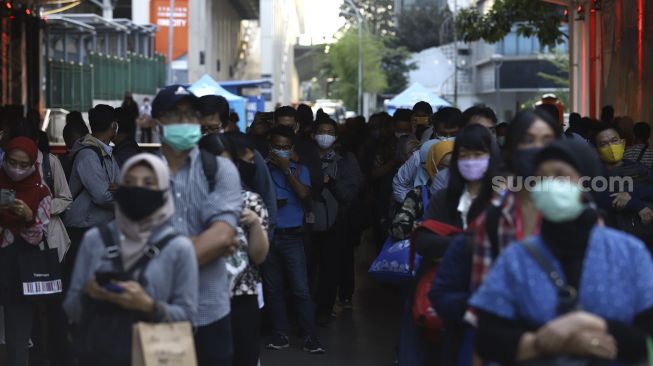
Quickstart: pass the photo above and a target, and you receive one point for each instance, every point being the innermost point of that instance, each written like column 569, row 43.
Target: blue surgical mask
column 282, row 153
column 181, row 136
column 559, row 200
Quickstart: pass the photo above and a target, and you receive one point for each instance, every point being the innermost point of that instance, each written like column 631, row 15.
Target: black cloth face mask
column 137, row 203
column 523, row 161
column 247, row 173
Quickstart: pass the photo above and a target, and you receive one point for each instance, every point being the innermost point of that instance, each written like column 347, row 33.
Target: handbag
column 424, row 314
column 167, row 344
column 39, row 272
column 568, row 301
column 396, row 262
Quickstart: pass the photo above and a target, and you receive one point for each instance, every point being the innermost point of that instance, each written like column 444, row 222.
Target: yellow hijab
column 437, row 152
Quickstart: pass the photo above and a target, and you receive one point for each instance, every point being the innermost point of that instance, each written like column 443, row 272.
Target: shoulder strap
column 111, row 247
column 151, row 251
column 47, row 172
column 567, row 295
column 641, row 153
column 210, row 167
column 425, row 200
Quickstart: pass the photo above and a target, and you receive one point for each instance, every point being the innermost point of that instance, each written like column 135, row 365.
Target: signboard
column 160, row 15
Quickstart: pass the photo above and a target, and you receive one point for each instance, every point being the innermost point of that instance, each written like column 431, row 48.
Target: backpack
column 210, row 167
column 105, row 329
column 97, row 151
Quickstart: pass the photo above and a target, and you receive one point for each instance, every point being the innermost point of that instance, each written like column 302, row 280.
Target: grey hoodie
column 89, row 185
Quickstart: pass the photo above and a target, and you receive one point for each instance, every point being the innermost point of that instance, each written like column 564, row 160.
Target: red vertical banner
column 160, row 15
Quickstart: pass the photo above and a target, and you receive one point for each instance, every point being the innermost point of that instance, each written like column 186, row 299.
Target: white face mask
column 325, row 141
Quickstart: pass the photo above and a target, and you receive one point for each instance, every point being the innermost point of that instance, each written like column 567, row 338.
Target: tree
column 343, row 62
column 379, row 22
column 425, row 26
column 396, row 67
column 378, row 16
column 531, row 17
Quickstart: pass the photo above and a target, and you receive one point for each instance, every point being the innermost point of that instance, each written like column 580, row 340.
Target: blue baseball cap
column 168, row 97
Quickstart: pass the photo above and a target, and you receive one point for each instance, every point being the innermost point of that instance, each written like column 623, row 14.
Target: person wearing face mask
column 110, row 293
column 511, row 216
column 254, row 247
column 342, row 179
column 422, row 112
column 23, row 226
column 92, row 181
column 292, row 184
column 214, row 109
column 446, row 123
column 305, row 151
column 411, row 210
column 578, row 289
column 632, row 202
column 144, row 121
column 206, row 190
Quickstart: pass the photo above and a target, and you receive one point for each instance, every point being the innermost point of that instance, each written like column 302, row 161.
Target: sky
column 322, row 18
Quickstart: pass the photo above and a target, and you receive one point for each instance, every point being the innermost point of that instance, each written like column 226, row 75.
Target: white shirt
column 465, row 203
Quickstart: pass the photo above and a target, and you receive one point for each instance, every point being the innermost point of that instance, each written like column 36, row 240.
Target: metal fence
column 74, row 86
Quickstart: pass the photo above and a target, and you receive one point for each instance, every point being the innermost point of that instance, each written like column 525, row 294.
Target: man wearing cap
column 207, row 212
column 93, row 180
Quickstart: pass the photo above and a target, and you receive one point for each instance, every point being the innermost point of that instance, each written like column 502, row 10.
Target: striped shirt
column 632, row 153
column 196, row 209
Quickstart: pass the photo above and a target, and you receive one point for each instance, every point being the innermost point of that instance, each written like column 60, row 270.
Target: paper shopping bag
column 169, row 344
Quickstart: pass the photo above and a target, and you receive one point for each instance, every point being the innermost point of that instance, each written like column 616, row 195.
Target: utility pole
column 455, row 57
column 359, row 18
column 171, row 30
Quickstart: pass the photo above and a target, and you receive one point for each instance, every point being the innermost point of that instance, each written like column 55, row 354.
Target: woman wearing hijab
column 253, row 248
column 411, row 210
column 578, row 289
column 160, row 287
column 23, row 226
column 510, row 217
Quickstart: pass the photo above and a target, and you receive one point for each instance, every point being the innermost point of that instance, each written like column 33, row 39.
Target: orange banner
column 160, row 15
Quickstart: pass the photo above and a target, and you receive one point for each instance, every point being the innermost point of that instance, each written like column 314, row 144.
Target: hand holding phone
column 7, row 197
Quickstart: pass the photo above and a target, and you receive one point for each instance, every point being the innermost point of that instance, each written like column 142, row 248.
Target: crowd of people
column 226, row 229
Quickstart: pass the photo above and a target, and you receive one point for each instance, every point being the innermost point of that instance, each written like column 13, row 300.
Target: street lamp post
column 497, row 59
column 359, row 18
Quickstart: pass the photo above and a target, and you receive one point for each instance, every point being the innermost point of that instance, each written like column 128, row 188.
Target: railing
column 74, row 86
column 70, row 85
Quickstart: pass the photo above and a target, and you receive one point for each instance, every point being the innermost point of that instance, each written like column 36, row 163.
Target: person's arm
column 37, row 228
column 403, row 221
column 265, row 188
column 302, row 191
column 255, row 221
column 450, row 290
column 62, row 198
column 347, row 184
column 94, row 178
column 403, row 181
column 221, row 213
column 182, row 304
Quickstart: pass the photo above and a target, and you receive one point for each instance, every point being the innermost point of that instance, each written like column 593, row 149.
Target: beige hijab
column 135, row 235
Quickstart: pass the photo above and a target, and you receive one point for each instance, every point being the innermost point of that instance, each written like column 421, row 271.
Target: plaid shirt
column 507, row 232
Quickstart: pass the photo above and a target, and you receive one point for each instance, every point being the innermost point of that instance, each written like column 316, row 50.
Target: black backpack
column 103, row 335
column 210, row 167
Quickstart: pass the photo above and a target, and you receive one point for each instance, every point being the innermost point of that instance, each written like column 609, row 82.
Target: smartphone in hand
column 106, row 279
column 7, row 197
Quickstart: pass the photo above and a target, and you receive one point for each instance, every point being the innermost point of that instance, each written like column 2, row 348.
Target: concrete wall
column 215, row 30
column 280, row 27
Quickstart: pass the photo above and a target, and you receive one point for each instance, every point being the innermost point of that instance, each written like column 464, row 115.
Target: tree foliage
column 532, row 18
column 378, row 15
column 343, row 62
column 379, row 23
column 424, row 26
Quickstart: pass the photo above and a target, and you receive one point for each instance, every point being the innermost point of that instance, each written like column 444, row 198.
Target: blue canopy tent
column 415, row 93
column 207, row 86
